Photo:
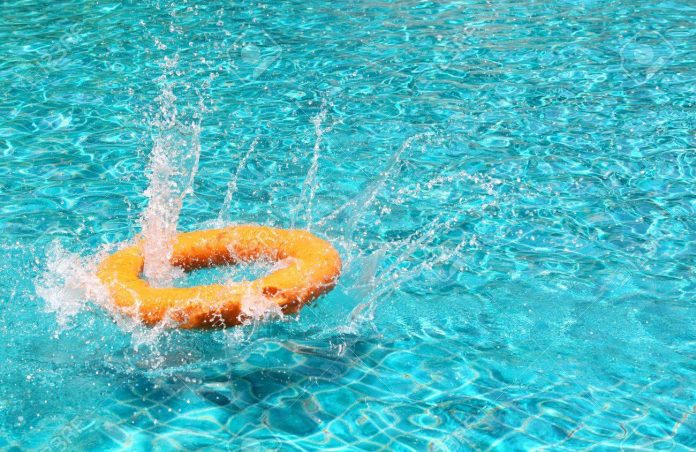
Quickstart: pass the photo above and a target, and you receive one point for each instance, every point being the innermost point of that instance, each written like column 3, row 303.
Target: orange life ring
column 314, row 266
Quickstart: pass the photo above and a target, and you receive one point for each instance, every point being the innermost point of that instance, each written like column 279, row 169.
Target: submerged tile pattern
column 425, row 392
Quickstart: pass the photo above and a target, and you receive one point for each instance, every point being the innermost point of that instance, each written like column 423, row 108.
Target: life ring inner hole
column 229, row 271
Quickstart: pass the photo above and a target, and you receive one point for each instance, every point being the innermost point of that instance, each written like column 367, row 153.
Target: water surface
column 511, row 186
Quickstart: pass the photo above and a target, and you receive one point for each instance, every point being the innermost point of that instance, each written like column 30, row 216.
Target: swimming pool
column 510, row 185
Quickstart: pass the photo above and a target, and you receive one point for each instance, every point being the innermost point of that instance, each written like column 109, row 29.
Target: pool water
column 510, row 185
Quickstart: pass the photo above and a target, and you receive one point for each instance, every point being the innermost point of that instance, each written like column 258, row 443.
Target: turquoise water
column 511, row 186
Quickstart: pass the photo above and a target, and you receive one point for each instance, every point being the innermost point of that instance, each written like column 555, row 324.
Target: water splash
column 172, row 169
column 358, row 207
column 232, row 185
column 309, row 187
column 382, row 267
column 399, row 270
column 68, row 284
column 255, row 308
